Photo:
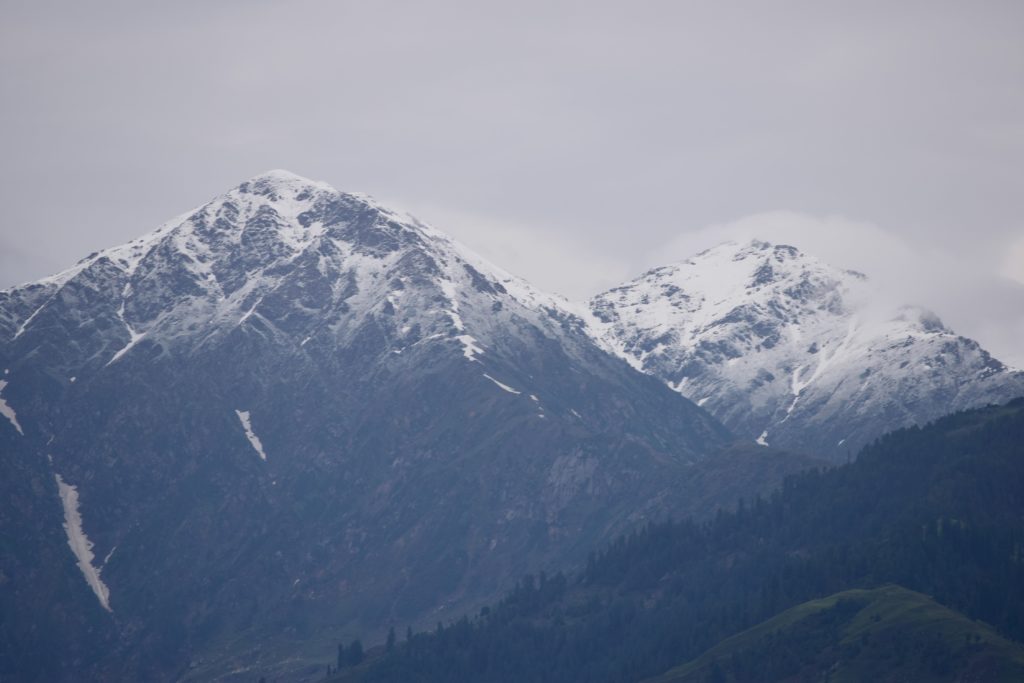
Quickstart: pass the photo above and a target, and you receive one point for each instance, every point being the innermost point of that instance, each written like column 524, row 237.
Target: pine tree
column 391, row 640
column 355, row 653
column 342, row 661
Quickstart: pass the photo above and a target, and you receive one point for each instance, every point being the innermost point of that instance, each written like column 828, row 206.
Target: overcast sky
column 573, row 143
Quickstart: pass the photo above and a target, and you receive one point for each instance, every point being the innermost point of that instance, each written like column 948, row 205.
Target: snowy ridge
column 790, row 351
column 79, row 543
column 768, row 339
column 337, row 259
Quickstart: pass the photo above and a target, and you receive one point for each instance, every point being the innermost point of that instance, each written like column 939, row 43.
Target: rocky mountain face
column 293, row 412
column 293, row 415
column 789, row 351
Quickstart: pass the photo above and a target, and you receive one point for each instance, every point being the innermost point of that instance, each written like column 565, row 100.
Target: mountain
column 936, row 510
column 885, row 634
column 294, row 412
column 789, row 351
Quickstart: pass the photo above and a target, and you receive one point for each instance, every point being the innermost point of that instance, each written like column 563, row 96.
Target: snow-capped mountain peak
column 775, row 290
column 299, row 256
column 777, row 344
column 295, row 400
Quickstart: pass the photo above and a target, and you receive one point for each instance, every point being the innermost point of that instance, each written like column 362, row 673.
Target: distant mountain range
column 295, row 413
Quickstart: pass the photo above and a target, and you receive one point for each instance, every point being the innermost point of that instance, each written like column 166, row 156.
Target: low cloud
column 1013, row 263
column 985, row 304
column 546, row 257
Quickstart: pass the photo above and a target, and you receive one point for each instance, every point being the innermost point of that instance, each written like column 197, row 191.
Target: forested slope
column 938, row 510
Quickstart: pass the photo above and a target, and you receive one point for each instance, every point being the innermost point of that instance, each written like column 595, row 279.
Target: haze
column 575, row 144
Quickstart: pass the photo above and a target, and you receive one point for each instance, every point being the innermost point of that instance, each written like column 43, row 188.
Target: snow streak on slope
column 505, row 387
column 243, row 417
column 134, row 337
column 7, row 411
column 79, row 543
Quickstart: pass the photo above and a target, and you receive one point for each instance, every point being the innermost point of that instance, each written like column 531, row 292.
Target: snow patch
column 6, row 410
column 763, row 439
column 135, row 337
column 244, row 418
column 470, row 346
column 795, row 387
column 678, row 386
column 80, row 544
column 28, row 320
column 451, row 293
column 252, row 309
column 503, row 386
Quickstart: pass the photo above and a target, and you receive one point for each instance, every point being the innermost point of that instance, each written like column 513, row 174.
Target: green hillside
column 885, row 634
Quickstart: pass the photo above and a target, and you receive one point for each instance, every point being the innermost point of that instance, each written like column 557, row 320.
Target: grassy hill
column 884, row 634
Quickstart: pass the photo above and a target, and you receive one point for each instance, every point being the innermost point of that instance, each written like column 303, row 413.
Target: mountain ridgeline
column 937, row 511
column 293, row 411
column 293, row 416
column 793, row 352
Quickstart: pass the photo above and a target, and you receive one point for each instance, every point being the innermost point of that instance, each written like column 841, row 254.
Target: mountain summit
column 291, row 256
column 295, row 410
column 788, row 350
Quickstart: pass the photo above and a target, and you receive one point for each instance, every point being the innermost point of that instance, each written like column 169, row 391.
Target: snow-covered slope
column 790, row 351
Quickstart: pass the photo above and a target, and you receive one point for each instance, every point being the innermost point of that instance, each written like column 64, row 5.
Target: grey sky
column 574, row 143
